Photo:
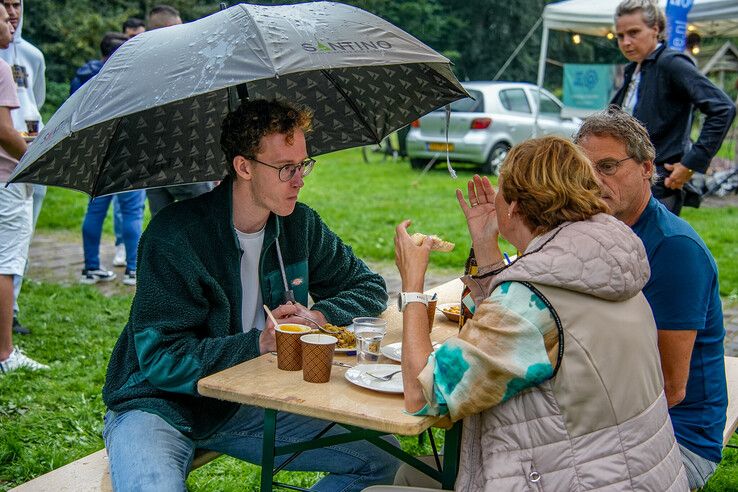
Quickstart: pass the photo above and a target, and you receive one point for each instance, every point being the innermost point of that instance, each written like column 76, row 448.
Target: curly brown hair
column 552, row 182
column 243, row 129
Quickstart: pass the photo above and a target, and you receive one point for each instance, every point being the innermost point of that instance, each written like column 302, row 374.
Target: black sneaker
column 93, row 276
column 19, row 328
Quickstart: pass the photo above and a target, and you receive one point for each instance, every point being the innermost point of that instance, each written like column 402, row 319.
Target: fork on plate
column 386, row 377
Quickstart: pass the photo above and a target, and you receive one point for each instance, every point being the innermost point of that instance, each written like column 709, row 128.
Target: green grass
column 51, row 418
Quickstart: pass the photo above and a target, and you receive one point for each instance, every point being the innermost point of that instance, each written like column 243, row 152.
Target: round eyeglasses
column 609, row 166
column 288, row 172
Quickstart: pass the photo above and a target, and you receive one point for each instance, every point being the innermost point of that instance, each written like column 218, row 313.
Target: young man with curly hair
column 206, row 266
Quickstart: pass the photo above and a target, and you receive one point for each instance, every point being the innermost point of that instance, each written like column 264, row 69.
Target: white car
column 482, row 130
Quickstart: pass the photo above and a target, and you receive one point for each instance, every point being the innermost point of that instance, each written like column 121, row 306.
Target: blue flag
column 676, row 23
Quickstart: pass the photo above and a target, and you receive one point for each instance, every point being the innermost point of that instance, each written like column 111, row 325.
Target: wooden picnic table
column 365, row 413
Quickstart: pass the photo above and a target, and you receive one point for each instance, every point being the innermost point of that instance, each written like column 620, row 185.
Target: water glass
column 369, row 334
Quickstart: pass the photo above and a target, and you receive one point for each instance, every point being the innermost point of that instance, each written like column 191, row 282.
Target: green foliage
column 56, row 94
column 68, row 32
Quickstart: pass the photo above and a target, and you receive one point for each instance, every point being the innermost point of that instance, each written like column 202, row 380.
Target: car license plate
column 440, row 147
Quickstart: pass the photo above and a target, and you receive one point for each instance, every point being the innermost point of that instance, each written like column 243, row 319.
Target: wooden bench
column 731, row 376
column 90, row 474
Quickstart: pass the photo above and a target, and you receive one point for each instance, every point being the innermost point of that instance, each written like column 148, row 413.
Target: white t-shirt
column 252, row 313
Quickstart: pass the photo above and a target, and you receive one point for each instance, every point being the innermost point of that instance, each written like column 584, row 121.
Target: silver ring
column 474, row 204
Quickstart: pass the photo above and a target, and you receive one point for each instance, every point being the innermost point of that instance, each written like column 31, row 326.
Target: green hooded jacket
column 185, row 320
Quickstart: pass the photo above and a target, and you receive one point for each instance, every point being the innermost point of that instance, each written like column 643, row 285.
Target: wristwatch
column 405, row 298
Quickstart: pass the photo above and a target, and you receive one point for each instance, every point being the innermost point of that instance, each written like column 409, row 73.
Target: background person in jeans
column 128, row 207
column 660, row 88
column 683, row 290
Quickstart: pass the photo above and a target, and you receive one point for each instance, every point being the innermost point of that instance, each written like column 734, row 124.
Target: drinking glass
column 369, row 334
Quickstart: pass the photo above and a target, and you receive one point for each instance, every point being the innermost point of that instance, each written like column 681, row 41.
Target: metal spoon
column 318, row 325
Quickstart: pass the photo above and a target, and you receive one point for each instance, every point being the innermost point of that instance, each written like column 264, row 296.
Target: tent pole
column 541, row 74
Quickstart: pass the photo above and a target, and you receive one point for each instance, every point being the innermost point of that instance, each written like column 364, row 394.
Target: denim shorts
column 698, row 469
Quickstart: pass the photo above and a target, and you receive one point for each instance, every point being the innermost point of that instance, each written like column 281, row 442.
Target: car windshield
column 467, row 105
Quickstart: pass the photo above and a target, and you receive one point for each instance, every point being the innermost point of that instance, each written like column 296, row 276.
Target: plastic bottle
column 467, row 304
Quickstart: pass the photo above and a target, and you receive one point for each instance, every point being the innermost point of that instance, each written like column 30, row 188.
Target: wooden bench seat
column 90, row 474
column 731, row 376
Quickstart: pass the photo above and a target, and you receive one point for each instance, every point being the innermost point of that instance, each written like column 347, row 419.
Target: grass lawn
column 51, row 418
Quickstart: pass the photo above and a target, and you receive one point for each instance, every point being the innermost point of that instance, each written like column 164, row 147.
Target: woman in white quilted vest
column 557, row 376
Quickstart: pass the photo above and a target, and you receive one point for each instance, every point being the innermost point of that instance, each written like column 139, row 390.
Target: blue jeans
column 131, row 208
column 117, row 221
column 146, row 453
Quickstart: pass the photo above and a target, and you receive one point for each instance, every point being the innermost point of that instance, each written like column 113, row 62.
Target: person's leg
column 698, row 469
column 145, row 453
column 39, row 192
column 132, row 207
column 158, row 199
column 6, row 316
column 407, row 476
column 15, row 236
column 117, row 221
column 97, row 209
column 351, row 467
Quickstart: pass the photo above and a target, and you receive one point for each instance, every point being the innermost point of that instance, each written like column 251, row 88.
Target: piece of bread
column 438, row 243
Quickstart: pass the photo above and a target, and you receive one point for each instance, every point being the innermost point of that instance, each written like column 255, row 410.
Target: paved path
column 58, row 258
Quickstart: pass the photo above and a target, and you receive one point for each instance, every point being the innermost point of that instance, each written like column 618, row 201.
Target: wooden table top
column 258, row 382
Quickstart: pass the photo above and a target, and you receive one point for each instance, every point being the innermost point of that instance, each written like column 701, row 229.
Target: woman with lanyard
column 660, row 87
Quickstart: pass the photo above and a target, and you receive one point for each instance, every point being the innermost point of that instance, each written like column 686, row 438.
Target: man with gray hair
column 683, row 290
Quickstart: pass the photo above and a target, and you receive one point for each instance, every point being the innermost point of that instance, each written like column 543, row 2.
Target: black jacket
column 670, row 86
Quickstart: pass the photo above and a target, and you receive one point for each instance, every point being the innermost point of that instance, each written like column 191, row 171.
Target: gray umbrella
column 152, row 116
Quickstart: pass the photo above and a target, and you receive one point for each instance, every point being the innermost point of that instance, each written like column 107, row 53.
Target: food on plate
column 293, row 328
column 452, row 311
column 346, row 339
column 455, row 309
column 438, row 243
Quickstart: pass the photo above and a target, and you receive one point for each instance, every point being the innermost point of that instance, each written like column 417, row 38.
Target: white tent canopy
column 595, row 17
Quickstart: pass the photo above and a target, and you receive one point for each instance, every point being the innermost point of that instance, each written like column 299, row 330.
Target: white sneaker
column 120, row 255
column 19, row 360
column 90, row 277
column 129, row 278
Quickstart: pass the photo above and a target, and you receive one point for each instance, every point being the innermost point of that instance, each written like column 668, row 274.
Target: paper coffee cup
column 431, row 313
column 289, row 348
column 317, row 357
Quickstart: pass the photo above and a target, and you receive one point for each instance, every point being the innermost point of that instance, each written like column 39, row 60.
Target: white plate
column 393, row 351
column 358, row 376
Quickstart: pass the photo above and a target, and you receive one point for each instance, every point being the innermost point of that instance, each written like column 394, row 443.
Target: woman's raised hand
column 480, row 212
column 411, row 260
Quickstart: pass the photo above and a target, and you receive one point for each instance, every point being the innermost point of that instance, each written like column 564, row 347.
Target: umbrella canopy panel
column 179, row 142
column 151, row 117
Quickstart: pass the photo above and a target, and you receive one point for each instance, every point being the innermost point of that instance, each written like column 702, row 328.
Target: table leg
column 267, row 453
column 451, row 450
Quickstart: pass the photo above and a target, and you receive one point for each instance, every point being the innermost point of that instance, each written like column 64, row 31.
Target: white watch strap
column 408, row 297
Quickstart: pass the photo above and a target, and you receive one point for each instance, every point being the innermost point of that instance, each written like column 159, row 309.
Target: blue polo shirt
column 684, row 295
